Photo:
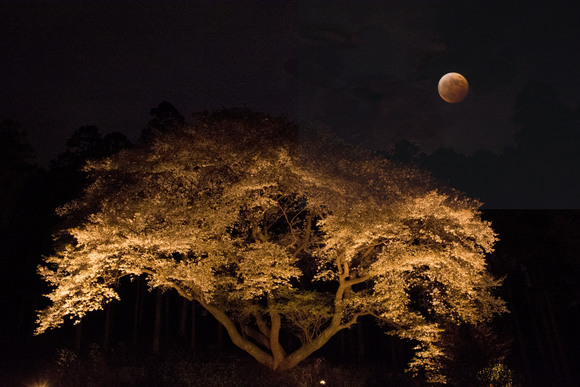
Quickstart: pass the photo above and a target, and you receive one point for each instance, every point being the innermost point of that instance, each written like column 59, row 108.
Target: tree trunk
column 192, row 341
column 157, row 326
column 520, row 335
column 167, row 317
column 278, row 353
column 78, row 336
column 351, row 344
column 361, row 343
column 238, row 340
column 220, row 336
column 263, row 357
column 307, row 349
column 558, row 339
column 183, row 318
column 107, row 332
column 138, row 311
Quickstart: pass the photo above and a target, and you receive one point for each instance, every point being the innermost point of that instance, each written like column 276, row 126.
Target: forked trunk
column 277, row 359
column 309, row 348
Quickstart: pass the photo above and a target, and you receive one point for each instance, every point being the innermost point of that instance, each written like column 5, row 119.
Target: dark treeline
column 539, row 172
column 537, row 254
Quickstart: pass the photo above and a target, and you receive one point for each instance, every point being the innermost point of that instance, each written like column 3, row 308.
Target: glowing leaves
column 428, row 352
column 240, row 217
column 454, row 217
column 308, row 311
column 80, row 287
column 264, row 267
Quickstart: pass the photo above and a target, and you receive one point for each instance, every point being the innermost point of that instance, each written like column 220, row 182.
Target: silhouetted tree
column 165, row 117
column 545, row 121
column 448, row 165
column 21, row 226
column 86, row 144
column 533, row 174
column 547, row 149
column 405, row 152
column 16, row 157
column 538, row 252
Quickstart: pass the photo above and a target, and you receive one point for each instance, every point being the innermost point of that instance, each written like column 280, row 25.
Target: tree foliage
column 268, row 231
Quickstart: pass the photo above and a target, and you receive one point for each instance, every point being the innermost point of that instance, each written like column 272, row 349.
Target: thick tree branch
column 339, row 265
column 257, row 336
column 332, row 329
column 345, row 267
column 298, row 214
column 350, row 282
column 262, row 326
column 306, row 239
column 288, row 222
column 353, row 320
column 239, row 340
column 277, row 351
column 308, row 348
column 257, row 233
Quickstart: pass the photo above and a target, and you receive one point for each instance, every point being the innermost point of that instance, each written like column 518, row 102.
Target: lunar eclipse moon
column 453, row 87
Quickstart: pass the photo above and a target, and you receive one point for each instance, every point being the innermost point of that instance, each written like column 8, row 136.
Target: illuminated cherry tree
column 267, row 233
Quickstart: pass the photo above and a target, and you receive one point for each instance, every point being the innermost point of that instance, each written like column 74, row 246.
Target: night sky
column 367, row 70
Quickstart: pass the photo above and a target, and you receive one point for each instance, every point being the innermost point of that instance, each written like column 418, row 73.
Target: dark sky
column 368, row 70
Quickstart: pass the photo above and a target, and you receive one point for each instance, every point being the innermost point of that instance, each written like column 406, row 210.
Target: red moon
column 453, row 87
